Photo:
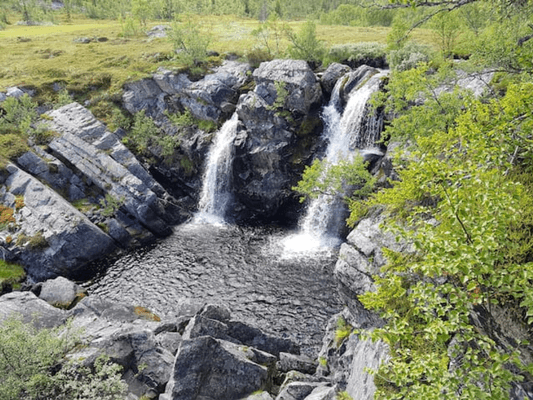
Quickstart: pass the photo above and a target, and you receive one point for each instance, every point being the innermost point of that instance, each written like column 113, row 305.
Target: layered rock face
column 119, row 202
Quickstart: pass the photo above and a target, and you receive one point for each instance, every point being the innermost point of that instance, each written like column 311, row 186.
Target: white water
column 216, row 188
column 319, row 229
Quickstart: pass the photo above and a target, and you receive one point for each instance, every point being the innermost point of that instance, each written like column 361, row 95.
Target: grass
column 51, row 55
column 10, row 273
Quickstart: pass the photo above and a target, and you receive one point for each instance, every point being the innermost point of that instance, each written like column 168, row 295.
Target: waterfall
column 216, row 187
column 325, row 215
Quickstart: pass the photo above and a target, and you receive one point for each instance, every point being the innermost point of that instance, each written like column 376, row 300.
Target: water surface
column 288, row 294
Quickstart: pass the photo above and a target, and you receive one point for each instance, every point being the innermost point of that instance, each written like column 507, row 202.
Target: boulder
column 206, row 98
column 298, row 390
column 239, row 333
column 32, row 309
column 332, row 74
column 323, row 393
column 292, row 362
column 61, row 293
column 209, row 369
column 127, row 335
column 158, row 31
column 346, row 364
column 144, row 95
column 52, row 237
column 14, row 92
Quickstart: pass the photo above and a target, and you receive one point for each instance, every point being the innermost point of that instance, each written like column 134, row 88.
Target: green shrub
column 355, row 54
column 38, row 242
column 409, row 56
column 190, row 40
column 257, row 55
column 33, row 367
column 142, row 131
column 305, row 44
column 344, row 329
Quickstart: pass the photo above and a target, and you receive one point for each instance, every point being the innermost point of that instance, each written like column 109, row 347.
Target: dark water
column 243, row 268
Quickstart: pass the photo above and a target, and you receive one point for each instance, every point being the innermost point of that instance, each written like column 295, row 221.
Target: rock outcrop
column 172, row 359
column 49, row 237
column 279, row 118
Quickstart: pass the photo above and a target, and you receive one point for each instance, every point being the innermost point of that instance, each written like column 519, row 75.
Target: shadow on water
column 245, row 268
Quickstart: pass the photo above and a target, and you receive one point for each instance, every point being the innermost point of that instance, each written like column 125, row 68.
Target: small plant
column 344, row 329
column 142, row 131
column 9, row 240
column 110, row 205
column 6, row 217
column 19, row 202
column 190, row 41
column 181, row 119
column 343, row 396
column 37, row 242
column 323, row 361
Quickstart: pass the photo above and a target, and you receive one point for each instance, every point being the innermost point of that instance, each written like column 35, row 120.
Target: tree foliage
column 461, row 202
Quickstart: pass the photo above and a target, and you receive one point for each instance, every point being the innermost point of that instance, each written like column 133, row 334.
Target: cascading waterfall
column 216, row 188
column 345, row 133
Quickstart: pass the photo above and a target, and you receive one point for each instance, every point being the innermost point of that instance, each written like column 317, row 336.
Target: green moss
column 11, row 275
column 187, row 165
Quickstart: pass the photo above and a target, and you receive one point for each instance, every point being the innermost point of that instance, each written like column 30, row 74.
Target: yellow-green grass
column 10, row 273
column 51, row 55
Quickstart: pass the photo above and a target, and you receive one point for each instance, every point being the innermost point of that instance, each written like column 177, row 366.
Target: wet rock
column 332, row 74
column 61, row 292
column 32, row 309
column 210, row 369
column 273, row 114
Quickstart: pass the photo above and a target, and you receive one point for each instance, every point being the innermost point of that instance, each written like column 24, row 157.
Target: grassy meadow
column 41, row 55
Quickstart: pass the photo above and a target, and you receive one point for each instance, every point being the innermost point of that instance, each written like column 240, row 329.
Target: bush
column 409, row 56
column 356, row 54
column 32, row 367
column 305, row 45
column 190, row 41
